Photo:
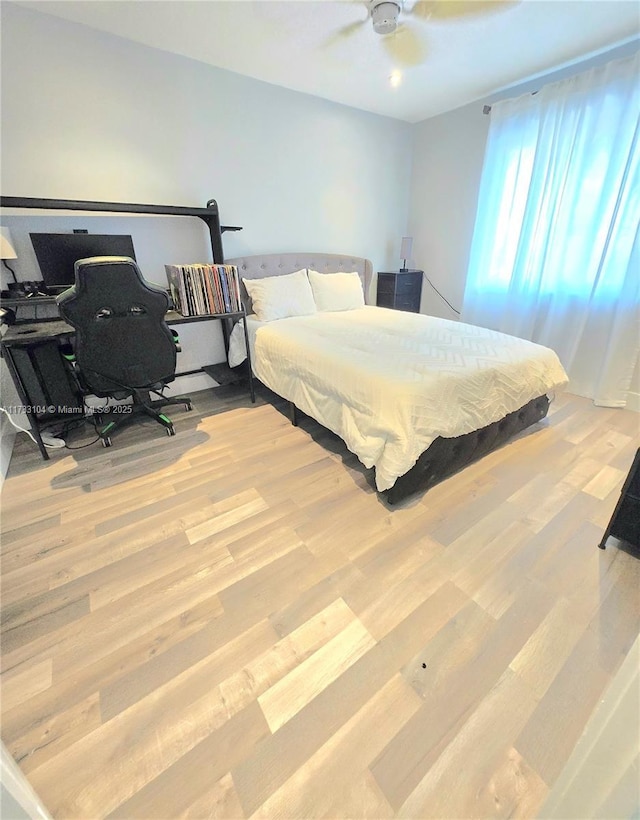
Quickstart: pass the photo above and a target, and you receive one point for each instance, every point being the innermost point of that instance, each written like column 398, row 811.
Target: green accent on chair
column 107, row 427
column 165, row 418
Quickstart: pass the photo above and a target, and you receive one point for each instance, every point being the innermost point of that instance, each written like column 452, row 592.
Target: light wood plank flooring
column 232, row 623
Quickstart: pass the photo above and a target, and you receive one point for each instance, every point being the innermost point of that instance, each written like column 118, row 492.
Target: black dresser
column 625, row 521
column 400, row 289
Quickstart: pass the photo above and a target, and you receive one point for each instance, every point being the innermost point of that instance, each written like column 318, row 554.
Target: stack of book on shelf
column 201, row 289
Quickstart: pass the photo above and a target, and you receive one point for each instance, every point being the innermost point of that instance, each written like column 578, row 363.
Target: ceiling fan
column 399, row 38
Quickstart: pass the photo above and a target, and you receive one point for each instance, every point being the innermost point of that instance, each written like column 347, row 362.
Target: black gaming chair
column 123, row 346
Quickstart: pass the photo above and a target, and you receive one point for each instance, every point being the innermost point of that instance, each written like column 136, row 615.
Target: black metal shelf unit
column 33, row 349
column 209, row 215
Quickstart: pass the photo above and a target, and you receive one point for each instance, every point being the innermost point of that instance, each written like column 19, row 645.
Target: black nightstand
column 625, row 521
column 400, row 289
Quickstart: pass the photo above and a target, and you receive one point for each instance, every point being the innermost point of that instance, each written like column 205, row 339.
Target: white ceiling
column 287, row 42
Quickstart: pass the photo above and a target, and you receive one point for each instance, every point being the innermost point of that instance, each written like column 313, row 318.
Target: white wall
column 448, row 153
column 7, row 438
column 87, row 115
column 633, row 400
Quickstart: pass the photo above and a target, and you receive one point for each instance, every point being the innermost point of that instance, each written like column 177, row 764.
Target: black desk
column 26, row 301
column 43, row 380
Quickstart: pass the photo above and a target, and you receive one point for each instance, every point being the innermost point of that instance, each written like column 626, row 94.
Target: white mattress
column 390, row 382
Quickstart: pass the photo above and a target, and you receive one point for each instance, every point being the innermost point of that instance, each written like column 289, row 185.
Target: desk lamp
column 7, row 250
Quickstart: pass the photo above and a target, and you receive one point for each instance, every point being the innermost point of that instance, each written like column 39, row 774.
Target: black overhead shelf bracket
column 209, row 215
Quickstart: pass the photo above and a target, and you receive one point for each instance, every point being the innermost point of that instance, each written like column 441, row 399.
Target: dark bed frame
column 445, row 456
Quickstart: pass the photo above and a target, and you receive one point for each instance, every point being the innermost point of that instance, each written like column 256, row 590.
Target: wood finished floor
column 231, row 623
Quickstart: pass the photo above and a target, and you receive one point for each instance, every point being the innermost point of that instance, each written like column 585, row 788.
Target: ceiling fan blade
column 345, row 32
column 455, row 9
column 404, row 46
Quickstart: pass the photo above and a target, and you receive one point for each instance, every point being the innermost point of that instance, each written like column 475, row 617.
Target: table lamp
column 7, row 251
column 405, row 251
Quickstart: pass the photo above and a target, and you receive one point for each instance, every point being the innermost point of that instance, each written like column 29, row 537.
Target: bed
column 415, row 397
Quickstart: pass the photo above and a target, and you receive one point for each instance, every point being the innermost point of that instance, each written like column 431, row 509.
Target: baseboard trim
column 633, row 402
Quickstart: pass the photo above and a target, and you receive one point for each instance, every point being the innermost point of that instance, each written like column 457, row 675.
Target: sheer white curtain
column 555, row 256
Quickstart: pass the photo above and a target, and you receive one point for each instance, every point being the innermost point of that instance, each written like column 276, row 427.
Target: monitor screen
column 58, row 252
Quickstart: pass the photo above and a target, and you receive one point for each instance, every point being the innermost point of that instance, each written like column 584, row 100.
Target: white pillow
column 336, row 291
column 276, row 297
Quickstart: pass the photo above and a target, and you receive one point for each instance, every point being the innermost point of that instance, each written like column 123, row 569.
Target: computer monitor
column 57, row 253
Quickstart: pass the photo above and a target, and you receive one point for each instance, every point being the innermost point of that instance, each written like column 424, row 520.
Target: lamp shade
column 405, row 247
column 7, row 251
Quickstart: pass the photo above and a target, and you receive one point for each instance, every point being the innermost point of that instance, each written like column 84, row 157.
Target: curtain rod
column 486, row 109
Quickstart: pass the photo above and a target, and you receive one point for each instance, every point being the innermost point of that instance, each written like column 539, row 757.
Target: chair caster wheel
column 106, row 441
column 170, row 431
column 188, row 406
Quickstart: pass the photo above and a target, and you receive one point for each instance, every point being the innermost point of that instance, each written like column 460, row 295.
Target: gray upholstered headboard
column 278, row 264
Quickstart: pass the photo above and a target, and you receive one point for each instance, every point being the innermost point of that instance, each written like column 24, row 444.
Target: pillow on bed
column 336, row 291
column 277, row 297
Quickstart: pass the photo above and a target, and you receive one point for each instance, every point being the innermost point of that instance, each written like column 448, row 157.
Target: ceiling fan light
column 385, row 17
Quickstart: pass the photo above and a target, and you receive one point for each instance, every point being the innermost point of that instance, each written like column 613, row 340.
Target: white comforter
column 389, row 382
